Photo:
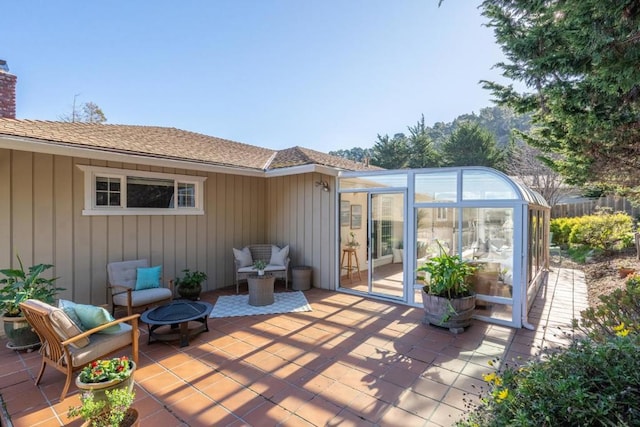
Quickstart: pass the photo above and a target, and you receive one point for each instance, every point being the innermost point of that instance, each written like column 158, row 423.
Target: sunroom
column 390, row 222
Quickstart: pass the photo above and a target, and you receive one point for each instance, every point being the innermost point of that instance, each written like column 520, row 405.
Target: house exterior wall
column 41, row 221
column 302, row 215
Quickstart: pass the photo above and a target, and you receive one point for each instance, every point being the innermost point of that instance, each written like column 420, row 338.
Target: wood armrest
column 134, row 324
column 119, row 289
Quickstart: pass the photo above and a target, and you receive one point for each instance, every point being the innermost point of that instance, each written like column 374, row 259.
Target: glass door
column 386, row 244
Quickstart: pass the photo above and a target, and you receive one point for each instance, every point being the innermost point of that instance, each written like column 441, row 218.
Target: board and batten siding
column 302, row 215
column 41, row 221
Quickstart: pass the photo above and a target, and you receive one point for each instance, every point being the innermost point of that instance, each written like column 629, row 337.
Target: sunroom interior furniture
column 125, row 289
column 244, row 265
column 67, row 348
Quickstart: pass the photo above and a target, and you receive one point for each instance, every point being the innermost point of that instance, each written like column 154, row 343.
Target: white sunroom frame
column 525, row 204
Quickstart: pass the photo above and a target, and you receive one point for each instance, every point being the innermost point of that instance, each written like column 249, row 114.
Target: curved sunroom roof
column 446, row 184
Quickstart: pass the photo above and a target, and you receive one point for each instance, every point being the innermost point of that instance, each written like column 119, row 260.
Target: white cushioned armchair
column 126, row 290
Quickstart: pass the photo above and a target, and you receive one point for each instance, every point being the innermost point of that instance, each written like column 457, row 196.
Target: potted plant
column 260, row 265
column 190, row 285
column 352, row 243
column 114, row 411
column 19, row 285
column 104, row 375
column 447, row 295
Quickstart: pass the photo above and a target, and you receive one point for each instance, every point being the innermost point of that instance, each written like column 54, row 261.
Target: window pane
column 374, row 181
column 107, row 191
column 483, row 185
column 186, row 195
column 149, row 192
column 436, row 187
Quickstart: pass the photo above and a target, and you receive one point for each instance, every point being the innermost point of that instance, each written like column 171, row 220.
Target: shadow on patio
column 350, row 361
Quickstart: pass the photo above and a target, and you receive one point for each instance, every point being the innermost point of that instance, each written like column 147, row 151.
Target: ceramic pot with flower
column 107, row 374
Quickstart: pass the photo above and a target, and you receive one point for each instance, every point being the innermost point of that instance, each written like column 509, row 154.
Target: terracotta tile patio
column 352, row 361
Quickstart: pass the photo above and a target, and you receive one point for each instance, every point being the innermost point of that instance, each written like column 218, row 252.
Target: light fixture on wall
column 323, row 184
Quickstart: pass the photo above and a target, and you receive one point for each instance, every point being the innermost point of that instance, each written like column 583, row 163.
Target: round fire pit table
column 177, row 316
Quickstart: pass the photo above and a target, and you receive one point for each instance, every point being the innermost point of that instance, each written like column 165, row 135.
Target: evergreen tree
column 471, row 145
column 579, row 59
column 391, row 153
column 421, row 151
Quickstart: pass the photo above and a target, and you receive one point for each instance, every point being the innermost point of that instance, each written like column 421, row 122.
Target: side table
column 261, row 289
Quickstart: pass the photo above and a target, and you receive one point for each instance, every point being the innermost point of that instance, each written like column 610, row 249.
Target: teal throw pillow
column 148, row 278
column 92, row 316
column 69, row 307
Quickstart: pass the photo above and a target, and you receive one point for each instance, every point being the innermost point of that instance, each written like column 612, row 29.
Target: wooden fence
column 585, row 206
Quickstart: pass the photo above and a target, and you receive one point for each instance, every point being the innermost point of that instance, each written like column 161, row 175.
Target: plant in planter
column 19, row 285
column 190, row 285
column 104, row 375
column 447, row 296
column 114, row 411
column 352, row 243
column 260, row 265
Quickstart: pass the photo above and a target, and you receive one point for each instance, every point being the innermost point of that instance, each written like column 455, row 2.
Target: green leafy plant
column 591, row 382
column 259, row 265
column 352, row 242
column 104, row 413
column 21, row 285
column 117, row 368
column 448, row 275
column 191, row 279
column 588, row 383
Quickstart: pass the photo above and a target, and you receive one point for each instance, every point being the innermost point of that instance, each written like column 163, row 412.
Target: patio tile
column 352, row 361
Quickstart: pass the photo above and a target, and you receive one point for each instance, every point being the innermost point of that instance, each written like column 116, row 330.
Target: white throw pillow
column 243, row 256
column 279, row 256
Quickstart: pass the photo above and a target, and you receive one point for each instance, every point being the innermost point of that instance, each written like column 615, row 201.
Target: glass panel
column 387, row 244
column 107, row 191
column 483, row 185
column 494, row 310
column 374, row 181
column 437, row 187
column 353, row 241
column 149, row 192
column 186, row 195
column 487, row 240
column 435, row 233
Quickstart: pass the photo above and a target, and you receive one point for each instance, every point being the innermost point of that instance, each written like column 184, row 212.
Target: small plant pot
column 190, row 292
column 623, row 272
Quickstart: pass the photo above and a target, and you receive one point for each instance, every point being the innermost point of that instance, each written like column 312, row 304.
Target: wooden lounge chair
column 66, row 348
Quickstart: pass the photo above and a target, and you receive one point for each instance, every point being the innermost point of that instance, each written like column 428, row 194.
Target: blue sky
column 326, row 75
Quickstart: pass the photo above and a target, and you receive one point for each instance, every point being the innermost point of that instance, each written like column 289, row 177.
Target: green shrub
column 616, row 312
column 605, row 231
column 587, row 384
column 592, row 382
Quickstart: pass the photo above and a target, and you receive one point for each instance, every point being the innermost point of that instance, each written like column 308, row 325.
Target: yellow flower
column 502, row 395
column 490, row 362
column 619, row 328
column 623, row 333
column 497, row 381
column 489, row 377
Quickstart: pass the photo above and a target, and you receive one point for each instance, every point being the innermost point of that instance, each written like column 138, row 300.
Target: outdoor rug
column 238, row 305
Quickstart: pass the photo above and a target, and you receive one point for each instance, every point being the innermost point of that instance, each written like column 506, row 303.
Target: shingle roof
column 298, row 156
column 169, row 143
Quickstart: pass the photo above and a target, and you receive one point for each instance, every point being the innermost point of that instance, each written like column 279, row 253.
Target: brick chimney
column 7, row 92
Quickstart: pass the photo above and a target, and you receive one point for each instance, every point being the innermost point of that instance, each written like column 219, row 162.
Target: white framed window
column 110, row 191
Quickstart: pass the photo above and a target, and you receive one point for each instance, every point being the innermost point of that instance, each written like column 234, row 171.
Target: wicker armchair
column 66, row 348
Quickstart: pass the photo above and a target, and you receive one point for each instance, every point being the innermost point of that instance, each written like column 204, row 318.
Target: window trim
column 92, row 172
